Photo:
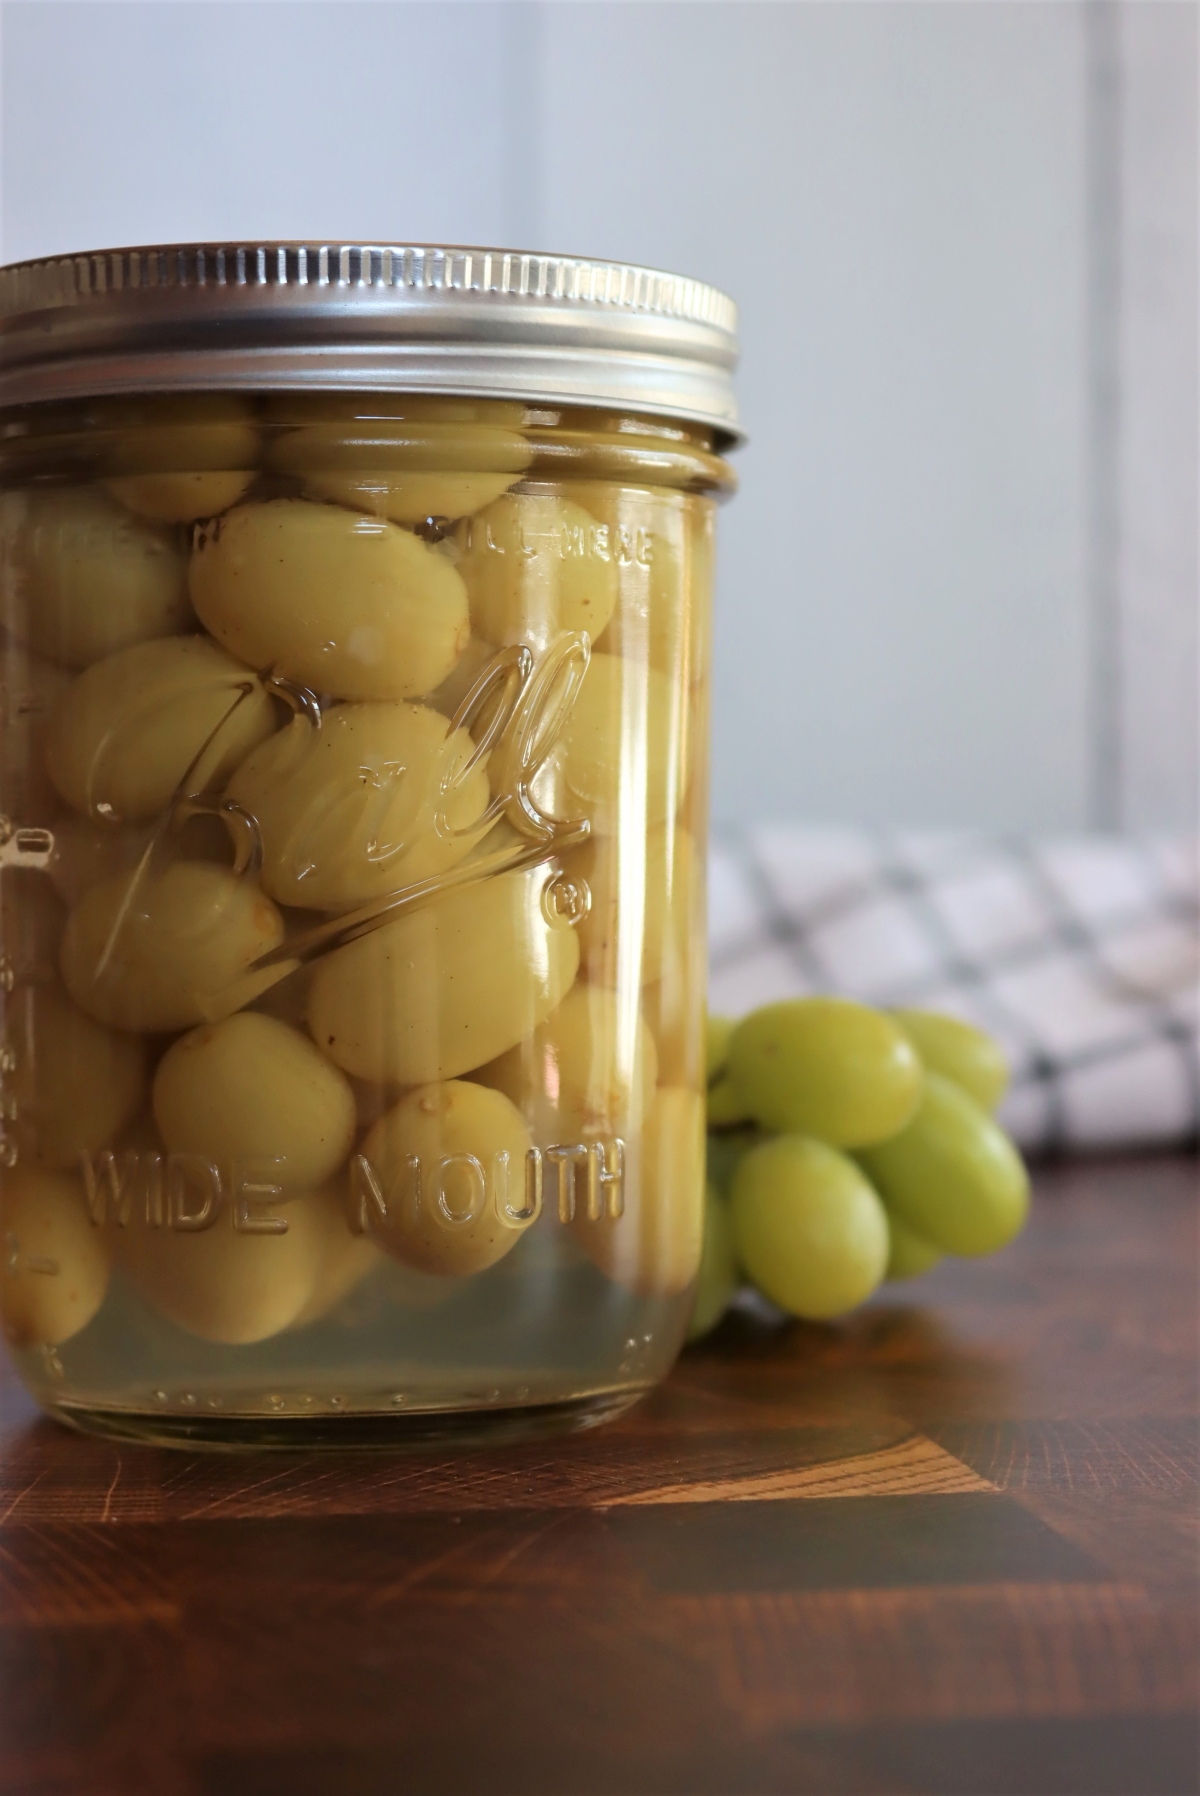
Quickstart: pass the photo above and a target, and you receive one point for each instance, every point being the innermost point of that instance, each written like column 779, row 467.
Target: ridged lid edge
column 52, row 281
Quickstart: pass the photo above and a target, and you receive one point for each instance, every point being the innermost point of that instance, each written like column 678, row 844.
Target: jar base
column 353, row 1431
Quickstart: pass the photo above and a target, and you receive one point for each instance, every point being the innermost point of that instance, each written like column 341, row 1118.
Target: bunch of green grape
column 847, row 1146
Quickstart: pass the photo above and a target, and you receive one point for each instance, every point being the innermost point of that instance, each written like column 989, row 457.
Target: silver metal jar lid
column 414, row 317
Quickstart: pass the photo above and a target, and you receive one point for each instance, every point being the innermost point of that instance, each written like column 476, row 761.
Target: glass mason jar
column 355, row 710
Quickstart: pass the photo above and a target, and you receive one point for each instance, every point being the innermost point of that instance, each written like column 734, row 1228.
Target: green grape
column 450, row 1162
column 718, row 1033
column 808, row 1228
column 653, row 1247
column 953, row 1176
column 724, row 1104
column 447, row 988
column 92, row 579
column 826, row 1067
column 349, row 605
column 376, row 799
column 959, row 1052
column 55, row 1270
column 725, row 1149
column 255, row 1097
column 535, row 565
column 75, row 1084
column 910, row 1253
column 716, row 1281
column 129, row 729
column 167, row 950
column 589, row 1069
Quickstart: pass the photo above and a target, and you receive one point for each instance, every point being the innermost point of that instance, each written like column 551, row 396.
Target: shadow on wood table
column 948, row 1547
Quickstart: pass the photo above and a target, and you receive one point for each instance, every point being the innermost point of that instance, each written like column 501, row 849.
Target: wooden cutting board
column 948, row 1547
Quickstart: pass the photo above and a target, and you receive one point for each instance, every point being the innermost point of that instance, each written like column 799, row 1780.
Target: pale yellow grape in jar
column 408, row 472
column 654, row 1247
column 181, row 498
column 671, row 1010
column 468, row 1209
column 32, row 920
column 618, row 760
column 448, row 987
column 54, row 1269
column 242, row 1275
column 650, row 536
column 647, row 936
column 168, row 949
column 177, row 459
column 377, row 799
column 349, row 1258
column 76, row 1084
column 256, row 1099
column 344, row 604
column 85, row 852
column 83, row 578
column 135, row 727
column 30, row 687
column 372, row 1100
column 536, row 566
column 471, row 665
column 588, row 1071
column 287, row 998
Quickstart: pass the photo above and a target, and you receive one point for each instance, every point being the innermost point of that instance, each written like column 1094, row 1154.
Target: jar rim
column 424, row 318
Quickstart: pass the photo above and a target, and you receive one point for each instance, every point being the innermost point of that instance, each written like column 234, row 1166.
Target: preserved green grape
column 958, row 1052
column 128, row 729
column 808, row 1228
column 664, row 867
column 185, row 457
column 348, row 1260
column 373, row 801
column 87, row 851
column 447, row 987
column 32, row 920
column 344, row 604
column 406, row 471
column 716, row 1283
column 447, row 697
column 588, row 1070
column 718, row 1033
column 248, row 1271
column 30, row 689
column 535, row 566
column 952, row 1176
column 180, row 498
column 76, row 1084
column 256, row 1099
column 826, row 1067
column 674, row 1016
column 167, row 949
column 909, row 1255
column 653, row 1247
column 614, row 757
column 450, row 1164
column 84, row 578
column 663, row 546
column 54, row 1272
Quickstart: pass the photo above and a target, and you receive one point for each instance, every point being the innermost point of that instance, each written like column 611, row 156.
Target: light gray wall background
column 960, row 582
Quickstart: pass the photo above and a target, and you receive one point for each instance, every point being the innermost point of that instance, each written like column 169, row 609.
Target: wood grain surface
column 947, row 1547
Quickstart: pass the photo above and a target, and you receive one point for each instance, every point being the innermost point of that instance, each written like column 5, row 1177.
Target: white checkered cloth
column 1080, row 955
